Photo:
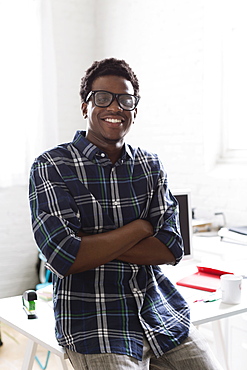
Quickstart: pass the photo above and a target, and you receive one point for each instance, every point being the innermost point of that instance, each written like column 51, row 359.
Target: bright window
column 234, row 60
column 28, row 87
column 20, row 87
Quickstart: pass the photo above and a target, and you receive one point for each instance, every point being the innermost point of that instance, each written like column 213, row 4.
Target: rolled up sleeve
column 164, row 216
column 55, row 217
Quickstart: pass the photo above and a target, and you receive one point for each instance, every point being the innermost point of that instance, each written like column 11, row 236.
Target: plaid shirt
column 110, row 308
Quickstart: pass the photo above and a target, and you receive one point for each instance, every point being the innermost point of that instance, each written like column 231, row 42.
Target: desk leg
column 63, row 363
column 220, row 344
column 29, row 355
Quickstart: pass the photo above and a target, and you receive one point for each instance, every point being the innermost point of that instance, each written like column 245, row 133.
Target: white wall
column 18, row 252
column 174, row 49
column 74, row 35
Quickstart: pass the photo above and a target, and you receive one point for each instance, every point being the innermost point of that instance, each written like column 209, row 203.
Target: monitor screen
column 185, row 218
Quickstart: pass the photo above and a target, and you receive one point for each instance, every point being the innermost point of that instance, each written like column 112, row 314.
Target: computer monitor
column 185, row 218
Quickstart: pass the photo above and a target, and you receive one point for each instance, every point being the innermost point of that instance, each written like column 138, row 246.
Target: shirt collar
column 90, row 150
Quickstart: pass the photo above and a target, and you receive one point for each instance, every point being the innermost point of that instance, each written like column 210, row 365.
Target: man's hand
column 141, row 227
column 81, row 234
column 149, row 251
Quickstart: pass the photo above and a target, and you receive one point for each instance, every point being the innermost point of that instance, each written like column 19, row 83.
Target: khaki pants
column 193, row 354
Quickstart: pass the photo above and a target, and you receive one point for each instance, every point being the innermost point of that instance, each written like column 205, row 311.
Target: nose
column 114, row 106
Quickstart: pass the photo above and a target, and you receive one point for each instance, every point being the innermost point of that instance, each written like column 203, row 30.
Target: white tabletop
column 40, row 330
column 202, row 312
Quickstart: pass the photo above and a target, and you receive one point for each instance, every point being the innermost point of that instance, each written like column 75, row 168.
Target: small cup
column 231, row 288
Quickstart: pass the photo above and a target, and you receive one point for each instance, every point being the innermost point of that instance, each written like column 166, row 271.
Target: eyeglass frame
column 114, row 96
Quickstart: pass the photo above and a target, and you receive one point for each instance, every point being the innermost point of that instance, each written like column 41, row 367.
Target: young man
column 104, row 218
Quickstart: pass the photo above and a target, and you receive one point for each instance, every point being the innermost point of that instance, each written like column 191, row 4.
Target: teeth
column 111, row 120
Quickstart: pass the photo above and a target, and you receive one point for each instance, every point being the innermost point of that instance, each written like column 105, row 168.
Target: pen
column 211, row 300
column 206, row 300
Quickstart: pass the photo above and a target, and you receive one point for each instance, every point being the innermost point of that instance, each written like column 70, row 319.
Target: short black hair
column 107, row 67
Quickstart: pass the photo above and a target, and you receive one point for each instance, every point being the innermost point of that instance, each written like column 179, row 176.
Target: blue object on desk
column 47, row 282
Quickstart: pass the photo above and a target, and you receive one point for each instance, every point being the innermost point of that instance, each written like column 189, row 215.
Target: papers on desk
column 205, row 278
column 45, row 294
column 234, row 234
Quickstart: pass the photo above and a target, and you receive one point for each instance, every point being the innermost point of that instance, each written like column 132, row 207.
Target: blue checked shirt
column 74, row 187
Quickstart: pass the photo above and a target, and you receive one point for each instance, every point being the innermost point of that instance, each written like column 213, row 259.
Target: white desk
column 41, row 330
column 38, row 331
column 211, row 252
column 201, row 312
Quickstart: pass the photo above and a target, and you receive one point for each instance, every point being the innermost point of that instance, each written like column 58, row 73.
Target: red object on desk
column 205, row 278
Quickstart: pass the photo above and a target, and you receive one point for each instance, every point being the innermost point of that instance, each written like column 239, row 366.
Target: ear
column 84, row 110
column 135, row 113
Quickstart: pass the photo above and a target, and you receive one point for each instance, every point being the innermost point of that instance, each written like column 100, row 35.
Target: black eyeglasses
column 104, row 99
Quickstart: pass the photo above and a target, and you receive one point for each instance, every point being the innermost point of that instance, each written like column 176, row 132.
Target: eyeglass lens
column 104, row 99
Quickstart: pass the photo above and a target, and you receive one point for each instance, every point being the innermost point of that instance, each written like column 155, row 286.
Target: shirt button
column 102, row 155
column 135, row 290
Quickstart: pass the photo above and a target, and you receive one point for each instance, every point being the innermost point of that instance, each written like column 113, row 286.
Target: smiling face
column 108, row 126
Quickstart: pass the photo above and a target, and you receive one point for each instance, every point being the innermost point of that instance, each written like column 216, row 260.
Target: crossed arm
column 133, row 243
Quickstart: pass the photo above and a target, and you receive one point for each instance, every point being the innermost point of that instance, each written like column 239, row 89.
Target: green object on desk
column 28, row 300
